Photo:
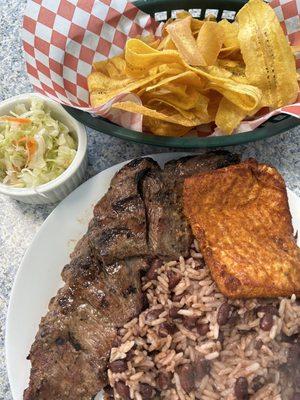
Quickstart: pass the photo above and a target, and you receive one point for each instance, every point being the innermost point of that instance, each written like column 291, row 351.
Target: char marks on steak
column 140, row 217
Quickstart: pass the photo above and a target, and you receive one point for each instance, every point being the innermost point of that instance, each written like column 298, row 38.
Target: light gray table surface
column 19, row 222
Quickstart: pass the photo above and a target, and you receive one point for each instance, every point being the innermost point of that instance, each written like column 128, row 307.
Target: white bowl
column 72, row 177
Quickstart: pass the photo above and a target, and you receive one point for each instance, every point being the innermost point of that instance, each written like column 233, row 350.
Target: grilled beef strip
column 102, row 291
column 139, row 217
column 169, row 234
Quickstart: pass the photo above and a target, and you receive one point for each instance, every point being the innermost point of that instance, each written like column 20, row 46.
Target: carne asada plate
column 39, row 276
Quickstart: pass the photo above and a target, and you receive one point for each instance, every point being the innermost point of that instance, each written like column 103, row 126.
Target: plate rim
column 160, row 158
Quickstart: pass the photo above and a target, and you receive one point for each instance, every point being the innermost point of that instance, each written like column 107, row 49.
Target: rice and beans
column 193, row 343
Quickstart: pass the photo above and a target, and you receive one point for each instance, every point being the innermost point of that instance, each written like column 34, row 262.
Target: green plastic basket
column 161, row 10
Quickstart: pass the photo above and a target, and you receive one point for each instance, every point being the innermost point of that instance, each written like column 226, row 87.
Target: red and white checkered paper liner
column 62, row 38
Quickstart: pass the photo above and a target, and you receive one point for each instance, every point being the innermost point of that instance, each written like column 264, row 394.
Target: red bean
column 116, row 342
column 174, row 312
column 202, row 329
column 189, row 322
column 130, row 354
column 118, row 366
column 234, row 317
column 289, row 339
column 152, row 272
column 267, row 310
column 109, row 391
column 241, row 388
column 186, row 375
column 153, row 314
column 166, row 329
column 163, row 380
column 122, row 390
column 221, row 337
column 177, row 297
column 258, row 382
column 146, row 391
column 201, row 264
column 294, row 355
column 202, row 368
column 145, row 302
column 266, row 322
column 259, row 344
column 223, row 314
column 174, row 279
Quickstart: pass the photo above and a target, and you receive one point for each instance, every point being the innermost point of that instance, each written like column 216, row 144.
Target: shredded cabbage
column 36, row 151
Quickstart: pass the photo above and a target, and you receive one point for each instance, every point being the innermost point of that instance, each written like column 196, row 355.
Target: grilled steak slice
column 101, row 293
column 169, row 233
column 119, row 225
column 70, row 353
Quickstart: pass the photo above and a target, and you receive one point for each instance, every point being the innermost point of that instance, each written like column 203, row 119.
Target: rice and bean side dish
column 193, row 343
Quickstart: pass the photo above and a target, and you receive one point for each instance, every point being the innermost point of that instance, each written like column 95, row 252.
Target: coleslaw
column 35, row 148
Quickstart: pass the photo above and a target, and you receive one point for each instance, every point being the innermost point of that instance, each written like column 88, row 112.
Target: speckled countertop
column 19, row 222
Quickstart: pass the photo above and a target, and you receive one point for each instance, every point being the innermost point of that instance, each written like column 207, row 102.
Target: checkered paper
column 62, row 38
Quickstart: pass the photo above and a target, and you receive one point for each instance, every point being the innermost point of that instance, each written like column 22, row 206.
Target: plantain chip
column 140, row 57
column 234, row 53
column 173, row 69
column 100, row 66
column 210, row 41
column 245, row 96
column 180, row 96
column 163, row 128
column 218, row 72
column 230, row 32
column 99, row 81
column 269, row 60
column 181, row 34
column 165, row 25
column 103, row 89
column 228, row 63
column 168, row 114
column 228, row 116
column 155, row 44
column 199, row 110
column 196, row 24
column 150, row 40
column 210, row 17
column 186, row 78
column 213, row 103
column 167, row 44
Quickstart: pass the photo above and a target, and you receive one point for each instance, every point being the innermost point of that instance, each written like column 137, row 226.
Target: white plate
column 38, row 277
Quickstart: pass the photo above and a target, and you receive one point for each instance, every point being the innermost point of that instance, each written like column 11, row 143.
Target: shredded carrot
column 15, row 119
column 30, row 144
column 31, row 148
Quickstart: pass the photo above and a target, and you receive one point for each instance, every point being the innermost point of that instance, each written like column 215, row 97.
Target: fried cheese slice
column 241, row 219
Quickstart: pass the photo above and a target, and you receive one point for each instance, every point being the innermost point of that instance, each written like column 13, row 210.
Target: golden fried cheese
column 241, row 219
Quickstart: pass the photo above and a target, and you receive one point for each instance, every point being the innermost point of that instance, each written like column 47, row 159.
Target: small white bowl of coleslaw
column 43, row 150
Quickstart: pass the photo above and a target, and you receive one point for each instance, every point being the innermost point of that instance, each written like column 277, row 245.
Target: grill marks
column 140, row 216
